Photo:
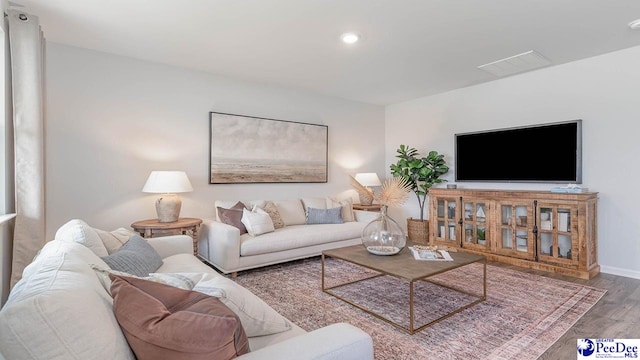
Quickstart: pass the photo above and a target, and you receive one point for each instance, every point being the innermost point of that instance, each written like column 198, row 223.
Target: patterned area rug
column 523, row 315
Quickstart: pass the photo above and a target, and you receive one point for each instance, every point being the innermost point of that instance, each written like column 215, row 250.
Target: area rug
column 523, row 315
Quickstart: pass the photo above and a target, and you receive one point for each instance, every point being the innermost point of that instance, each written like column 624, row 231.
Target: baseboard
column 620, row 271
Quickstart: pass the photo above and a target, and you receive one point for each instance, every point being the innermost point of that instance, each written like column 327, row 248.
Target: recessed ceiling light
column 349, row 38
column 635, row 24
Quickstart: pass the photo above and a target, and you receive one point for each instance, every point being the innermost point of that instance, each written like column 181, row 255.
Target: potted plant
column 421, row 173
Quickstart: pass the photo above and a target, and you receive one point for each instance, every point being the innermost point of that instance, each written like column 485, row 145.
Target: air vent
column 515, row 64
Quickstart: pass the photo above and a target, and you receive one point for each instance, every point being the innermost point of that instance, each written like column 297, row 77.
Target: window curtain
column 26, row 46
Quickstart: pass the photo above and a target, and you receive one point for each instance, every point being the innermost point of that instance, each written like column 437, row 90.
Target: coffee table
column 404, row 267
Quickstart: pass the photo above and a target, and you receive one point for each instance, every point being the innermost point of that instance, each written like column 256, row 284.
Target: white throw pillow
column 291, row 211
column 80, row 232
column 256, row 316
column 176, row 280
column 257, row 221
column 347, row 208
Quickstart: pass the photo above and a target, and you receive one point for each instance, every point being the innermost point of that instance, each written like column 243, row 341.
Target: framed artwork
column 247, row 149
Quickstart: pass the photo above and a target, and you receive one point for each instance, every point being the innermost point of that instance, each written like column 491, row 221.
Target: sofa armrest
column 219, row 244
column 365, row 216
column 340, row 341
column 172, row 245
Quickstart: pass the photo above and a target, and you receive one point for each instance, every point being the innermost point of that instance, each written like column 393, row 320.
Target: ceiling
column 409, row 48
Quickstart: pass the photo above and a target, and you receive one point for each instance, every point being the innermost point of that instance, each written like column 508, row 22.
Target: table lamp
column 168, row 183
column 367, row 180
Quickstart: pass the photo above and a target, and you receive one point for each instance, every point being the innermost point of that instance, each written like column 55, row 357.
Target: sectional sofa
column 62, row 307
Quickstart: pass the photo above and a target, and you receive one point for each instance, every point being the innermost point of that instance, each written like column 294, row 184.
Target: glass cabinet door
column 556, row 233
column 474, row 224
column 446, row 221
column 515, row 230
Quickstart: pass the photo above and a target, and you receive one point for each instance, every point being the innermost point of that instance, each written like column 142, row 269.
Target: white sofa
column 60, row 309
column 222, row 245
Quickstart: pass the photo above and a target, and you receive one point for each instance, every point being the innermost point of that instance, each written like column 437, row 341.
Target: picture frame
column 247, row 149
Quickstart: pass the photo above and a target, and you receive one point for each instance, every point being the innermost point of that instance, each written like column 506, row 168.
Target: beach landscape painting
column 247, row 149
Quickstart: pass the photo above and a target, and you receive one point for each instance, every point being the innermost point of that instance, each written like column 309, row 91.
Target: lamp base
column 168, row 208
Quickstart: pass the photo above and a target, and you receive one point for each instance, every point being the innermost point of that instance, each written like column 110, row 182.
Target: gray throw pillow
column 136, row 257
column 324, row 216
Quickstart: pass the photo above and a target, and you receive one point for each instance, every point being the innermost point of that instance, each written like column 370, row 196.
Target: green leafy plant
column 420, row 172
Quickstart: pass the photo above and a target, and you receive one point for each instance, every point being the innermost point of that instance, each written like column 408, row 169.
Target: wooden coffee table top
column 401, row 265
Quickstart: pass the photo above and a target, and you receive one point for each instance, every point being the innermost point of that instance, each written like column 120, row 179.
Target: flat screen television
column 550, row 153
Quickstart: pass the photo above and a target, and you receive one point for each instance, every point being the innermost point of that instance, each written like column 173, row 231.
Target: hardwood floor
column 615, row 316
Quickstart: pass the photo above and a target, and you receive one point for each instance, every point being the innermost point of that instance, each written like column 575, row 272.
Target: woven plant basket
column 418, row 230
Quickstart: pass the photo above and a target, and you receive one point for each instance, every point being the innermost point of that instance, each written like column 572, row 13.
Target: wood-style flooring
column 615, row 316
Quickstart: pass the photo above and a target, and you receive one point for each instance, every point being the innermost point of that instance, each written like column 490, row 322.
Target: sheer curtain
column 26, row 45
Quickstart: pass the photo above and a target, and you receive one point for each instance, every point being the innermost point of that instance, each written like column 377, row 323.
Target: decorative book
column 430, row 255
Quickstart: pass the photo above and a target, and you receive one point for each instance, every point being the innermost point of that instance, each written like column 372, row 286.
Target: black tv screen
column 538, row 153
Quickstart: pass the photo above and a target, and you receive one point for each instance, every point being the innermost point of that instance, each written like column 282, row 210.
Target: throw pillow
column 163, row 322
column 274, row 214
column 113, row 240
column 233, row 216
column 324, row 216
column 257, row 221
column 135, row 257
column 172, row 279
column 257, row 317
column 291, row 211
column 347, row 208
column 80, row 232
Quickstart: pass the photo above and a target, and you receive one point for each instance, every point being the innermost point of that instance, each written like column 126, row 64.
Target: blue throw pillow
column 136, row 257
column 324, row 216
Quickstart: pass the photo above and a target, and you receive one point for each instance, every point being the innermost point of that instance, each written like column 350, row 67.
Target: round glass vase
column 383, row 236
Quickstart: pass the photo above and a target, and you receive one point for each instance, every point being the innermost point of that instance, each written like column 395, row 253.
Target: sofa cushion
column 299, row 236
column 257, row 221
column 135, row 257
column 347, row 208
column 324, row 216
column 233, row 216
column 80, row 232
column 274, row 214
column 291, row 211
column 113, row 240
column 314, row 202
column 52, row 309
column 164, row 322
column 184, row 263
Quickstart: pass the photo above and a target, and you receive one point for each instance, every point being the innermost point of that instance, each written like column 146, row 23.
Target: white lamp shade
column 167, row 182
column 368, row 179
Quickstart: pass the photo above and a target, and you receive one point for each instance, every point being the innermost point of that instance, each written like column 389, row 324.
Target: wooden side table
column 184, row 226
column 374, row 207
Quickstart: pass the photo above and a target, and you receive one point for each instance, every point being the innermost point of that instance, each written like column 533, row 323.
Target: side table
column 183, row 226
column 374, row 207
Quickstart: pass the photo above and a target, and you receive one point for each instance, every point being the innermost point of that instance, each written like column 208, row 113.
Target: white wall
column 603, row 91
column 111, row 120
